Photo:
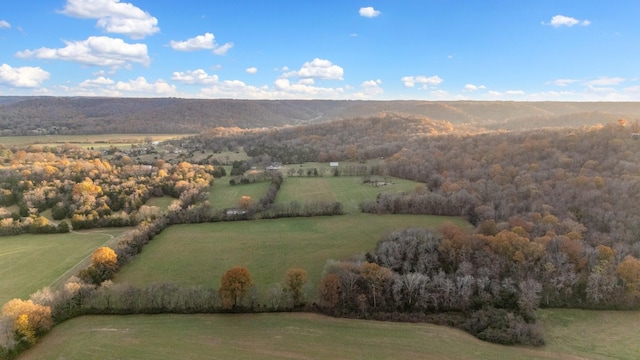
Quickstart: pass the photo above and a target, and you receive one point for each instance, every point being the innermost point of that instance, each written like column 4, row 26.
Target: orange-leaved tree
column 235, row 283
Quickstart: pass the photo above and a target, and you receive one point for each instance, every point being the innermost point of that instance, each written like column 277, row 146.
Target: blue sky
column 564, row 50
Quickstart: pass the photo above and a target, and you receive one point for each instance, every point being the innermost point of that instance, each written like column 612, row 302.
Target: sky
column 521, row 50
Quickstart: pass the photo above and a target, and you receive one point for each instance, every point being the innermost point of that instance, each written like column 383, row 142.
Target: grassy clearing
column 198, row 254
column 31, row 262
column 272, row 336
column 592, row 334
column 162, row 202
column 222, row 195
column 348, row 190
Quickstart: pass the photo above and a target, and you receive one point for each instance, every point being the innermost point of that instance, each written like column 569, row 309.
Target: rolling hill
column 90, row 115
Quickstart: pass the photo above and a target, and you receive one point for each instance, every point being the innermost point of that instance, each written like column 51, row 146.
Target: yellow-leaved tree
column 29, row 319
column 104, row 263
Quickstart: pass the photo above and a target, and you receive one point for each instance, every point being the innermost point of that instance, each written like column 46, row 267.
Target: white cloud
column 222, row 50
column 563, row 82
column 561, row 20
column 318, row 69
column 201, row 42
column 114, row 16
column 515, row 92
column 27, row 77
column 598, row 89
column 411, row 81
column 369, row 12
column 372, row 87
column 235, row 89
column 140, row 85
column 96, row 50
column 4, row 24
column 286, row 89
column 307, row 81
column 471, row 87
column 283, row 69
column 198, row 76
column 99, row 81
column 251, row 70
column 605, row 80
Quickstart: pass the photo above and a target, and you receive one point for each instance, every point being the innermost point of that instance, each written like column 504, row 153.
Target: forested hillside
column 87, row 115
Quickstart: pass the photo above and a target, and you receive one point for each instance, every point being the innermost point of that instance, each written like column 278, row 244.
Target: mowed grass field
column 311, row 336
column 198, row 254
column 30, row 262
column 222, row 195
column 348, row 190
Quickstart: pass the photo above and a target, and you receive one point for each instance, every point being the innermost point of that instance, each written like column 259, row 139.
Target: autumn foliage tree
column 28, row 319
column 295, row 279
column 246, row 202
column 104, row 263
column 629, row 271
column 235, row 283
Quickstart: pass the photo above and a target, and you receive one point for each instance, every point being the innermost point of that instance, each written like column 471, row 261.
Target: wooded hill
column 88, row 115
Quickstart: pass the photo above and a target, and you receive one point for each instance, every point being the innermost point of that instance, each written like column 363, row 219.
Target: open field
column 310, row 336
column 30, row 262
column 97, row 141
column 348, row 190
column 222, row 195
column 198, row 254
column 592, row 334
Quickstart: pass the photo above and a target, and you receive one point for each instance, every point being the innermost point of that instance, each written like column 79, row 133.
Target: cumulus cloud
column 563, row 82
column 201, row 42
column 236, row 89
column 369, row 12
column 96, row 50
column 26, row 77
column 99, row 81
column 222, row 49
column 4, row 24
column 318, row 69
column 471, row 87
column 371, row 87
column 141, row 85
column 198, row 76
column 302, row 89
column 515, row 92
column 561, row 20
column 251, row 70
column 606, row 81
column 114, row 16
column 411, row 81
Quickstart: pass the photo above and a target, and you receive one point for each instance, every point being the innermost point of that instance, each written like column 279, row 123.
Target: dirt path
column 111, row 242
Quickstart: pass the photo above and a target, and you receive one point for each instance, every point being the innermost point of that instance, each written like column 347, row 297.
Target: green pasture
column 311, row 336
column 348, row 190
column 30, row 262
column 198, row 254
column 592, row 334
column 222, row 195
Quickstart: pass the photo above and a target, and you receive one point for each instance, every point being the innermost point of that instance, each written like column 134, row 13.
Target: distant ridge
column 93, row 115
